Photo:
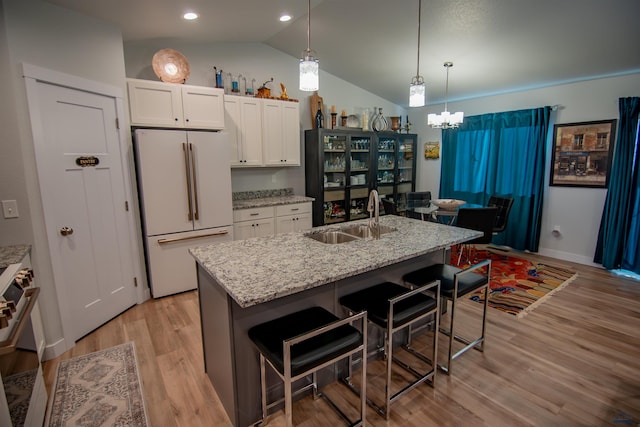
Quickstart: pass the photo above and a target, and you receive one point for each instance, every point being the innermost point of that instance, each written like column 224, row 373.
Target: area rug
column 99, row 389
column 519, row 285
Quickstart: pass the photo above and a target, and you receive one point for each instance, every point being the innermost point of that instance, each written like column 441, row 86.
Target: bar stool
column 456, row 283
column 302, row 343
column 404, row 307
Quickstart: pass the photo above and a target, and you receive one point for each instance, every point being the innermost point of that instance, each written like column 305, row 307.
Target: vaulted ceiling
column 496, row 46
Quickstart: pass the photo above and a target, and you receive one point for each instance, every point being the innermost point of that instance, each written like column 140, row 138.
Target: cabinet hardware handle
column 295, row 209
column 254, row 213
column 194, row 183
column 200, row 236
column 186, row 171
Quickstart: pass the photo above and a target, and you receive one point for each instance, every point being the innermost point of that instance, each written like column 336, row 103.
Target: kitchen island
column 247, row 282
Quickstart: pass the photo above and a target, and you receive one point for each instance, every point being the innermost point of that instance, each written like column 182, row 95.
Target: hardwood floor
column 574, row 360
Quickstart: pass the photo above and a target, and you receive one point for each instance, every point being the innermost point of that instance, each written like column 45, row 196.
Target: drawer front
column 293, row 209
column 252, row 213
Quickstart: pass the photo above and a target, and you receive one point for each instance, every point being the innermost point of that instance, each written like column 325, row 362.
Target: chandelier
column 417, row 88
column 309, row 67
column 446, row 120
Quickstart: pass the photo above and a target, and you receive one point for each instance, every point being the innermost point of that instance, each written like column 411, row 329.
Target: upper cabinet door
column 291, row 133
column 281, row 127
column 203, row 107
column 243, row 119
column 158, row 104
column 155, row 104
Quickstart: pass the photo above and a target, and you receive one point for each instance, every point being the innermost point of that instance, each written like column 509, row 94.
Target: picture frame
column 582, row 154
column 432, row 150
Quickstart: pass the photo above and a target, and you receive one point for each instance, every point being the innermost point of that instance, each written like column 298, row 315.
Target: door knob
column 66, row 231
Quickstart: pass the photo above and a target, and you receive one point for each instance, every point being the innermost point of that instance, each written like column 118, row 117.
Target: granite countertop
column 13, row 254
column 269, row 201
column 258, row 270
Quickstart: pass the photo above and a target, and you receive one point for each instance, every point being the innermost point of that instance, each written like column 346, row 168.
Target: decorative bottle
column 319, row 117
column 379, row 123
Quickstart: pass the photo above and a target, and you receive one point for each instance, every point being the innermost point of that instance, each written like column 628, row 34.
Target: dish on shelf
column 448, row 204
column 170, row 66
column 332, row 184
column 353, row 121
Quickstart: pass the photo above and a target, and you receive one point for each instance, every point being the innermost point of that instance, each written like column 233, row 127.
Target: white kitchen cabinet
column 159, row 104
column 294, row 217
column 243, row 118
column 254, row 222
column 281, row 132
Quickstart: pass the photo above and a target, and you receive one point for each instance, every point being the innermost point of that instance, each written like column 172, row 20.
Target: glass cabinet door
column 386, row 166
column 335, row 175
column 359, row 176
column 406, row 170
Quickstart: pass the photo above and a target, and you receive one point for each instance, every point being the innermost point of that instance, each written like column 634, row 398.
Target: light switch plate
column 10, row 208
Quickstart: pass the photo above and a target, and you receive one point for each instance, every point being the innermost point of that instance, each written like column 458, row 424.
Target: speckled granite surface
column 264, row 198
column 13, row 254
column 262, row 269
column 269, row 201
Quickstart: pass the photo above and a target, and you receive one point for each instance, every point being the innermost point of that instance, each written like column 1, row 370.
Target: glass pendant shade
column 309, row 72
column 417, row 92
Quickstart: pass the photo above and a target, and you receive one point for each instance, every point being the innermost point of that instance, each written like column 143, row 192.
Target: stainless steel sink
column 364, row 231
column 332, row 237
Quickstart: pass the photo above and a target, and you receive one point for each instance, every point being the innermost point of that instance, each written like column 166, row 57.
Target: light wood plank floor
column 574, row 360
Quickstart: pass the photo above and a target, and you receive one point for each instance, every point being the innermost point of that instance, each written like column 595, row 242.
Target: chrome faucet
column 374, row 208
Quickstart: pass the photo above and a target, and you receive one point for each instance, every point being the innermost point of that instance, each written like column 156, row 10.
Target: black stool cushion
column 269, row 336
column 376, row 301
column 444, row 272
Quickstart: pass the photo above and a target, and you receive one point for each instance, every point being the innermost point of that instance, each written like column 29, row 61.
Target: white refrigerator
column 184, row 184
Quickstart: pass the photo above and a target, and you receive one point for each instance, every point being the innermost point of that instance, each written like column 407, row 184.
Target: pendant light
column 417, row 88
column 309, row 67
column 446, row 120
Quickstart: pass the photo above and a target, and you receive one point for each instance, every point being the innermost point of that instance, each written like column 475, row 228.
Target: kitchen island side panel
column 217, row 341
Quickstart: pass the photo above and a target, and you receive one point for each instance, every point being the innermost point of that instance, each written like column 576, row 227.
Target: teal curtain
column 619, row 229
column 500, row 154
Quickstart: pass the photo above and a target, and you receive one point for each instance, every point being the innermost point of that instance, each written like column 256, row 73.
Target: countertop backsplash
column 261, row 194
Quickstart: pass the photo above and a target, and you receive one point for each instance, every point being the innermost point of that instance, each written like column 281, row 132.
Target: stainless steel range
column 23, row 396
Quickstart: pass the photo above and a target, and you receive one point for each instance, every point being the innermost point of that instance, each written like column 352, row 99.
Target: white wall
column 260, row 62
column 577, row 211
column 45, row 35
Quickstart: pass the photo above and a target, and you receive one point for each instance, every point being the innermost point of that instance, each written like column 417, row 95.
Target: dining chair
column 389, row 207
column 480, row 219
column 504, row 205
column 417, row 199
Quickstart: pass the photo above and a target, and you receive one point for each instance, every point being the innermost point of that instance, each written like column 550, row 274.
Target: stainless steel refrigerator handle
column 180, row 239
column 194, row 183
column 186, row 171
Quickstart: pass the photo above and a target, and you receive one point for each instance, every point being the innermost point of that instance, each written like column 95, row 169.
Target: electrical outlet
column 10, row 208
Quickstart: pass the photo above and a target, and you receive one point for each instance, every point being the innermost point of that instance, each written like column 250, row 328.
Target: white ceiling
column 496, row 46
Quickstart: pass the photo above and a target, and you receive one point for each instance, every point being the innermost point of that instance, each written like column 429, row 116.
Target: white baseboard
column 568, row 256
column 51, row 351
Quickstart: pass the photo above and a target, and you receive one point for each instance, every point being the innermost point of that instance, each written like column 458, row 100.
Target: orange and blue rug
column 519, row 285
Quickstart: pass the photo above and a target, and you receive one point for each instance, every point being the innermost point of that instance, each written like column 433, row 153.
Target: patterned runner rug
column 99, row 389
column 519, row 285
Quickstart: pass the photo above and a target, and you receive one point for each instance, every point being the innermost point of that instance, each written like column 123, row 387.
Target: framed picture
column 432, row 150
column 582, row 154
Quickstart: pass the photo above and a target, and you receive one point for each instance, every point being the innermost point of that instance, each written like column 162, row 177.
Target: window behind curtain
column 500, row 154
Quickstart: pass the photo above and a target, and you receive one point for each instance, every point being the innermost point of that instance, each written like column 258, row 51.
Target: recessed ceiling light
column 285, row 18
column 190, row 16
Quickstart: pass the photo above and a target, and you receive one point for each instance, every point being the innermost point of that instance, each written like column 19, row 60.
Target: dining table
column 444, row 216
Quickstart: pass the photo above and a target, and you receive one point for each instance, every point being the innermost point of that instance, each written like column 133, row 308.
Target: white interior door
column 79, row 161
